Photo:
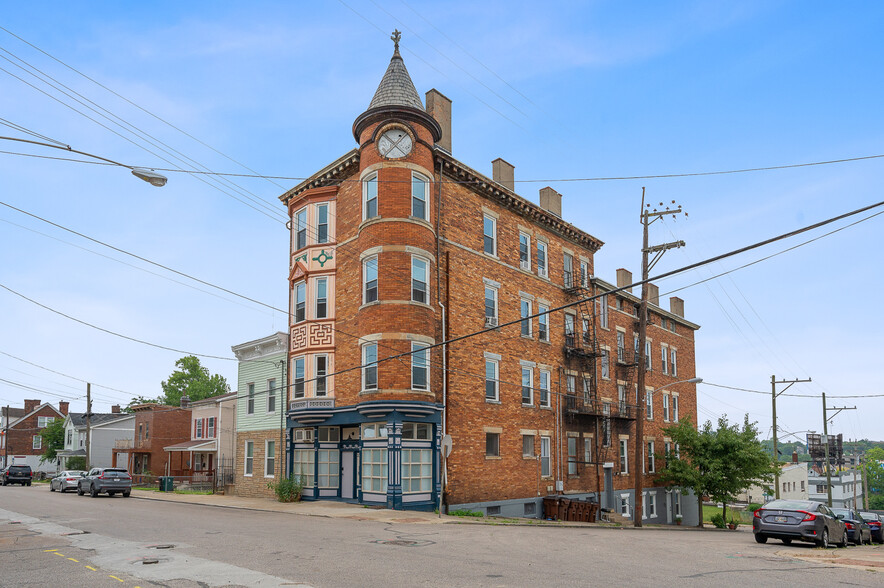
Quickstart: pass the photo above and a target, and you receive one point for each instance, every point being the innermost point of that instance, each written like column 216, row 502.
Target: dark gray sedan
column 798, row 520
column 66, row 480
column 110, row 480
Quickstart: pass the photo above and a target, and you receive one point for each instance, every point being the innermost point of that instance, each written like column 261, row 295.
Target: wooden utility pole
column 6, row 440
column 826, row 419
column 865, row 486
column 773, row 399
column 647, row 217
column 88, row 424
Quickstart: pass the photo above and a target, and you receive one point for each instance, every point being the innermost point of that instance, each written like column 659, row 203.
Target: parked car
column 798, row 520
column 66, row 480
column 857, row 528
column 875, row 522
column 17, row 474
column 110, row 480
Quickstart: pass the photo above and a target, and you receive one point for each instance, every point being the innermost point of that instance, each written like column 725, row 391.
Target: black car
column 875, row 522
column 798, row 520
column 857, row 529
column 17, row 474
column 110, row 480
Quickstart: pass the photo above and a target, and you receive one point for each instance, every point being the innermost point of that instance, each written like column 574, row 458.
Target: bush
column 76, row 463
column 753, row 506
column 288, row 489
column 718, row 521
column 463, row 512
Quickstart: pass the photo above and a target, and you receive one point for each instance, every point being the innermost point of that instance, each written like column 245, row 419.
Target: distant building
column 105, row 431
column 847, row 487
column 156, row 426
column 22, row 442
column 793, row 486
column 212, row 432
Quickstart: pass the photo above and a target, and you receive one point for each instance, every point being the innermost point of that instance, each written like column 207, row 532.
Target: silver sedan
column 65, row 481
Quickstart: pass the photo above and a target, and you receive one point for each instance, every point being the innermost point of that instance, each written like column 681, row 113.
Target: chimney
column 794, row 457
column 63, row 407
column 30, row 405
column 439, row 107
column 115, row 409
column 624, row 278
column 185, row 401
column 676, row 306
column 653, row 294
column 504, row 174
column 551, row 201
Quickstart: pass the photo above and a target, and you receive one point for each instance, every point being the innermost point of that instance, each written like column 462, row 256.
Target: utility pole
column 865, row 485
column 826, row 420
column 773, row 400
column 6, row 439
column 88, row 422
column 647, row 217
column 855, row 469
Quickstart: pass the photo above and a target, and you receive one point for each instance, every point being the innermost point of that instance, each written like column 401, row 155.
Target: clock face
column 395, row 143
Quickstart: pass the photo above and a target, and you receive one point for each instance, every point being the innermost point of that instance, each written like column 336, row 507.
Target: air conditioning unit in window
column 525, row 265
column 490, row 321
column 303, row 435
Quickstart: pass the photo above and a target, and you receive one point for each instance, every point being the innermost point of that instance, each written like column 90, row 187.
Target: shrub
column 288, row 489
column 75, row 463
column 718, row 521
column 753, row 506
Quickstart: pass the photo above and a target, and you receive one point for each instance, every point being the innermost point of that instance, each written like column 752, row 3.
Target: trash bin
column 550, row 507
column 166, row 483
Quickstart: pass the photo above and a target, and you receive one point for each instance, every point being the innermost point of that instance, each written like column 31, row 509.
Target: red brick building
column 396, row 247
column 156, row 426
column 21, row 441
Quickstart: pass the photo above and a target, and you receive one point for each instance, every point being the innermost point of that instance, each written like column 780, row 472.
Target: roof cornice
column 331, row 174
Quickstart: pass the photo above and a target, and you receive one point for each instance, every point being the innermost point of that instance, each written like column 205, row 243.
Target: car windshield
column 791, row 505
column 842, row 511
column 114, row 471
column 869, row 516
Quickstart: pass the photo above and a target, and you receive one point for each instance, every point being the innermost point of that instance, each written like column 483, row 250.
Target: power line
column 705, row 383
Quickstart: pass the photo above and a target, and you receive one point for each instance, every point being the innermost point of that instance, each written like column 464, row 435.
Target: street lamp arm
column 688, row 381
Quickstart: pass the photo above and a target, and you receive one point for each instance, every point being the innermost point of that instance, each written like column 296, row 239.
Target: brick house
column 398, row 246
column 23, row 444
column 156, row 427
column 212, row 426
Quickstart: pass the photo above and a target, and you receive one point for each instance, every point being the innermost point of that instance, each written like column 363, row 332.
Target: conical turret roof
column 396, row 87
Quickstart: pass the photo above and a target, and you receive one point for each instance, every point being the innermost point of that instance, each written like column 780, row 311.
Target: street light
column 691, row 381
column 148, row 175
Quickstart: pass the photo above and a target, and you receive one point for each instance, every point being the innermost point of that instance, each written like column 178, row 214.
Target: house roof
column 12, row 413
column 12, row 424
column 194, row 445
column 396, row 87
column 213, row 399
column 78, row 419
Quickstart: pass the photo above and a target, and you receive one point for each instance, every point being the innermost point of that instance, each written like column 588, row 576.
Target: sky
column 568, row 93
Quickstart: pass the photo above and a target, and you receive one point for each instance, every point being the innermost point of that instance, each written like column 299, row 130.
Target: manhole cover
column 403, row 542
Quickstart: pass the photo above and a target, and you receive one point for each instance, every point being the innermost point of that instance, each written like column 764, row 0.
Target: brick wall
column 256, row 484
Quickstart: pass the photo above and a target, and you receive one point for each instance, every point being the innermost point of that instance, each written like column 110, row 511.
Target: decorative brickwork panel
column 299, row 337
column 321, row 335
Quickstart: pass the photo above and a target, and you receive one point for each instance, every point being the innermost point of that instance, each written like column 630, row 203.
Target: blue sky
column 575, row 90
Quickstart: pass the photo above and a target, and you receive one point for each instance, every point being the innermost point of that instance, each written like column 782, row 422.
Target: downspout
column 444, row 316
column 282, row 410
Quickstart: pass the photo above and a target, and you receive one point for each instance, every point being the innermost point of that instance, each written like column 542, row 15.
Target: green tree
column 716, row 462
column 873, row 471
column 192, row 380
column 53, row 440
column 76, row 463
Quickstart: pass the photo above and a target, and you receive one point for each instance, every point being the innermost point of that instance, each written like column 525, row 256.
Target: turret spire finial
column 396, row 36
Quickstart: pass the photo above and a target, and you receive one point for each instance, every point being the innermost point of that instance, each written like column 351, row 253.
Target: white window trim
column 426, row 282
column 426, row 199
column 530, row 385
column 527, row 262
column 530, row 335
column 274, row 395
column 628, row 512
column 316, row 375
column 267, row 443
column 365, row 182
column 250, row 398
column 543, row 311
column 366, row 366
column 316, row 297
column 543, row 272
column 365, row 262
column 302, row 285
column 496, row 362
column 548, row 390
column 493, row 237
column 246, row 458
column 623, row 455
column 415, row 347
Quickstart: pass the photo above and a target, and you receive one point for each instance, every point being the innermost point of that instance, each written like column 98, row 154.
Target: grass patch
column 463, row 512
column 203, row 492
column 743, row 516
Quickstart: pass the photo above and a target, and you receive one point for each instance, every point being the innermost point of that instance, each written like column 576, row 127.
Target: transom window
column 417, row 431
column 374, row 431
column 419, row 189
column 370, row 196
column 329, row 434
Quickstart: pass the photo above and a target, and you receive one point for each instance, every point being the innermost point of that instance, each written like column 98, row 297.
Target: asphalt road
column 54, row 539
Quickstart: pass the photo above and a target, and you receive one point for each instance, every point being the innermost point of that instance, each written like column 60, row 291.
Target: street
column 45, row 537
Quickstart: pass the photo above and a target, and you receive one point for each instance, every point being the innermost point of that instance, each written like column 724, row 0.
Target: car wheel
column 29, row 483
column 843, row 543
column 51, row 487
column 111, row 493
column 759, row 538
column 126, row 493
column 93, row 492
column 787, row 542
column 824, row 540
column 80, row 490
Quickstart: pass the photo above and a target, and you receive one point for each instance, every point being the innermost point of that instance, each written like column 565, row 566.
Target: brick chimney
column 439, row 107
column 30, row 405
column 504, row 174
column 115, row 409
column 63, row 407
column 676, row 306
column 624, row 278
column 185, row 401
column 794, row 457
column 551, row 201
column 653, row 294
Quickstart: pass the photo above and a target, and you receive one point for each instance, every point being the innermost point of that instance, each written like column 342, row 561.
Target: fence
column 200, row 482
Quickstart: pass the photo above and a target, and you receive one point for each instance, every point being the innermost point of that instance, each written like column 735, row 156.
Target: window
column 544, row 389
column 419, row 189
column 374, row 431
column 321, row 307
column 370, row 369
column 675, row 408
column 416, row 431
column 527, row 385
column 269, row 458
column 301, row 229
column 606, row 364
column 298, row 377
column 322, row 223
column 587, row 450
column 417, row 470
column 419, row 271
column 603, row 311
column 624, row 505
column 370, row 196
column 490, row 306
column 37, row 442
column 302, row 465
column 210, row 427
column 621, row 398
column 652, row 464
column 271, row 395
column 543, row 323
column 545, row 470
column 249, row 458
column 571, row 384
column 802, row 485
column 70, row 440
column 666, row 407
column 492, row 444
column 648, row 355
column 528, row 446
column 420, row 367
column 606, row 424
column 624, row 457
column 587, row 334
column 572, row 456
column 569, row 330
column 652, row 505
column 329, row 466
column 370, row 279
column 664, row 354
column 250, row 405
column 491, row 386
column 667, row 449
column 199, row 429
column 320, row 370
column 329, row 434
column 649, row 404
column 541, row 259
column 530, row 509
column 81, row 437
column 584, row 273
column 489, row 235
column 568, row 271
column 621, row 346
column 300, row 302
column 673, row 366
column 524, row 251
column 525, row 308
column 43, row 421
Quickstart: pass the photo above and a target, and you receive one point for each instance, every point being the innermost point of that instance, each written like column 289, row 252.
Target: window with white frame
column 490, row 306
column 374, row 470
column 545, row 469
column 420, row 366
column 250, row 404
column 298, row 373
column 544, row 389
column 271, row 395
column 606, row 364
column 249, row 458
column 417, row 470
column 527, row 385
column 370, row 280
column 584, row 273
column 666, row 408
column 675, row 408
column 301, row 229
column 43, row 421
column 603, row 311
column 320, row 371
column 652, row 504
column 210, row 427
column 568, row 270
column 492, row 444
column 370, row 197
column 322, row 223
column 621, row 398
column 542, row 270
column 649, row 404
column 621, row 346
column 416, row 431
column 673, row 365
column 572, row 456
column 303, row 466
column 571, row 384
column 419, row 279
column 329, row 467
column 81, row 439
column 587, row 450
column 528, row 446
column 525, row 309
column 492, row 391
column 370, row 366
column 569, row 330
column 269, row 459
column 374, row 431
column 37, row 442
column 300, row 302
column 664, row 359
column 624, row 505
column 320, row 308
column 652, row 463
column 543, row 323
column 489, row 234
column 420, row 187
column 70, row 440
column 199, row 429
column 648, row 362
column 624, row 457
column 524, row 251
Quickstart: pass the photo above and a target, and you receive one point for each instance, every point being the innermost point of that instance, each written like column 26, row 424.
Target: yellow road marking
column 115, row 578
column 91, row 568
column 72, row 559
column 49, row 550
column 59, row 554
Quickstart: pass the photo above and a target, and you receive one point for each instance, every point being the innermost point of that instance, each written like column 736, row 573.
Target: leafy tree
column 192, row 380
column 76, row 463
column 873, row 471
column 718, row 462
column 53, row 440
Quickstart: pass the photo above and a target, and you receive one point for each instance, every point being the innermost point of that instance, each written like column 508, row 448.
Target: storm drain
column 161, row 546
